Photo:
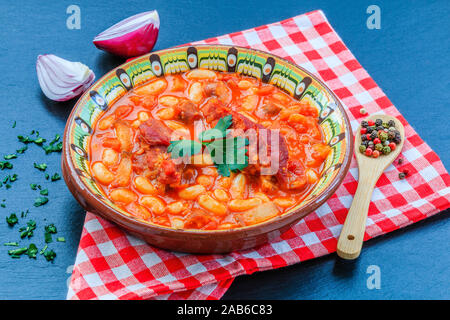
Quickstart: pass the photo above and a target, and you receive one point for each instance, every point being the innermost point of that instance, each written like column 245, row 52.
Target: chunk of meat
column 170, row 173
column 187, row 111
column 271, row 108
column 154, row 133
column 213, row 110
column 292, row 176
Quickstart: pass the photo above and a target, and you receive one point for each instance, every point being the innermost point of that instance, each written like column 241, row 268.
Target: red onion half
column 131, row 37
column 62, row 80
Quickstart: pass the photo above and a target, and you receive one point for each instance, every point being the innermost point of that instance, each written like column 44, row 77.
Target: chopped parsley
column 10, row 156
column 55, row 177
column 28, row 230
column 49, row 255
column 5, row 165
column 12, row 219
column 32, row 251
column 11, row 244
column 41, row 167
column 33, row 186
column 40, row 201
column 54, row 145
column 49, row 230
column 16, row 253
column 44, row 192
column 61, row 239
column 14, row 124
column 22, row 150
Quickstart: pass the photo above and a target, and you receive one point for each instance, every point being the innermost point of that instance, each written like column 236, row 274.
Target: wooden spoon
column 370, row 169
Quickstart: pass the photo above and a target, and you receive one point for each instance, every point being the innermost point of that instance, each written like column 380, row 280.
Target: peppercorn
column 383, row 136
column 364, row 124
column 391, row 123
column 363, row 130
column 401, row 175
column 370, row 145
column 368, row 137
column 379, row 147
column 398, row 138
column 362, row 148
column 368, row 152
column 391, row 135
column 369, row 129
column 373, row 135
column 386, row 143
column 375, row 154
column 363, row 137
column 380, row 128
column 392, row 146
column 371, row 123
column 386, row 150
column 400, row 161
column 378, row 122
column 376, row 141
column 362, row 111
column 392, row 129
column 385, row 125
column 365, row 143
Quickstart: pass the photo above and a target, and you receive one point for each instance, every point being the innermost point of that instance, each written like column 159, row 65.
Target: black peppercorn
column 391, row 123
column 398, row 138
column 380, row 128
column 378, row 122
column 363, row 137
column 364, row 124
column 369, row 129
column 374, row 135
column 402, row 175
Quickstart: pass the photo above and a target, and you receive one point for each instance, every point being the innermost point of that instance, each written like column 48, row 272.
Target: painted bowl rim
column 299, row 213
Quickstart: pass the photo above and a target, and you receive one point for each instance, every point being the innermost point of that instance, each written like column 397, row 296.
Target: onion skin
column 131, row 41
column 62, row 80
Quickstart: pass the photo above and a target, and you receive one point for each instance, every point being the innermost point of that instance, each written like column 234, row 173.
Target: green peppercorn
column 386, row 150
column 383, row 136
column 362, row 148
column 385, row 125
column 379, row 147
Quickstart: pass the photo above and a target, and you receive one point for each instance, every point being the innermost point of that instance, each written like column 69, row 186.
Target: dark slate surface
column 408, row 58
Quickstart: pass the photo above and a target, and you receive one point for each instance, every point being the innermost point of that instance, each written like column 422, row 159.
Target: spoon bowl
column 370, row 169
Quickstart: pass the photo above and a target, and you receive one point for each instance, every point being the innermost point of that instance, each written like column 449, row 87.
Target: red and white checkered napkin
column 113, row 265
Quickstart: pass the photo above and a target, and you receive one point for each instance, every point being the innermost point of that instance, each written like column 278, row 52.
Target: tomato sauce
column 129, row 154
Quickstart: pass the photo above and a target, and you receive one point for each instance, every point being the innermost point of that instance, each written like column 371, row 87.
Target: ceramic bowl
column 294, row 80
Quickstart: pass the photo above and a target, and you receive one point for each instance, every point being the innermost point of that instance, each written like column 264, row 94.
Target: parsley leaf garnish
column 228, row 154
column 49, row 255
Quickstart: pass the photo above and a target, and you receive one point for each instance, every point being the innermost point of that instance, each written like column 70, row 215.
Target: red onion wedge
column 62, row 80
column 131, row 37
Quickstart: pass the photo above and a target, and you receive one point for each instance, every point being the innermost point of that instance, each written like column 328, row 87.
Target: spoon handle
column 352, row 234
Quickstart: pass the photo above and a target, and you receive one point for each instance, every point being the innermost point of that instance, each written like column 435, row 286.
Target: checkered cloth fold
column 111, row 264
